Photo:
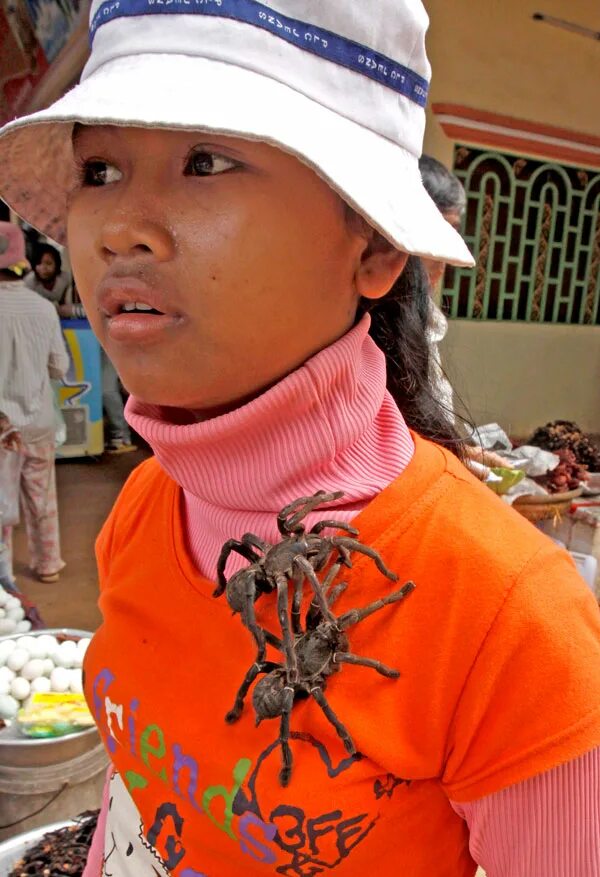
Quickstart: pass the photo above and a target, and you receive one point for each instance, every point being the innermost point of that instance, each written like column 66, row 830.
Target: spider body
column 313, row 651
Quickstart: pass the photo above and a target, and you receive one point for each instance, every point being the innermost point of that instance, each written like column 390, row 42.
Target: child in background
column 239, row 186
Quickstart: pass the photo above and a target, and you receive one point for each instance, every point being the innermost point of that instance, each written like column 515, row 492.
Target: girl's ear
column 380, row 266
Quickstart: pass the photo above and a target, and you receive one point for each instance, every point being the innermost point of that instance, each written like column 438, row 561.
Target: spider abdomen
column 268, row 697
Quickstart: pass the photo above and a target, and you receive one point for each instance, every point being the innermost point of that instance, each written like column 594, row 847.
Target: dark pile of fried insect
column 312, row 652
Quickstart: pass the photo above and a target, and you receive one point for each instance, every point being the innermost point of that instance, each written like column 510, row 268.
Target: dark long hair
column 399, row 328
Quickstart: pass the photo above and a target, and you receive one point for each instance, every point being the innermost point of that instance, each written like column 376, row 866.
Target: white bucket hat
column 341, row 85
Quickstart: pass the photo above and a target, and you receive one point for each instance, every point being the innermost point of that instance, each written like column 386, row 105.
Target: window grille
column 534, row 229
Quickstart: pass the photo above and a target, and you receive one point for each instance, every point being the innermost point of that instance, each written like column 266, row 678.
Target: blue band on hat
column 309, row 37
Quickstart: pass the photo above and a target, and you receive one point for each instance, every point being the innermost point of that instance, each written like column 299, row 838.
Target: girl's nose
column 133, row 230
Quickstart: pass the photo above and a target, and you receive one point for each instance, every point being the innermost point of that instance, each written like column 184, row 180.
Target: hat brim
column 375, row 176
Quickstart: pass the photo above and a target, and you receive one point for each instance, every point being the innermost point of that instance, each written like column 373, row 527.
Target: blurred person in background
column 32, row 351
column 10, row 442
column 47, row 276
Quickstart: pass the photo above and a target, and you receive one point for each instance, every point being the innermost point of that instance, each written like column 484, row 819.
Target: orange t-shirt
column 498, row 649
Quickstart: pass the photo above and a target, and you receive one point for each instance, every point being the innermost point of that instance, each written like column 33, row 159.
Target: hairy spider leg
column 343, row 542
column 333, row 525
column 353, row 616
column 249, row 617
column 290, row 516
column 336, row 593
column 349, row 658
column 284, row 736
column 231, row 545
column 284, row 622
column 255, row 542
column 319, row 696
column 319, row 590
column 298, row 580
column 238, row 706
column 313, row 613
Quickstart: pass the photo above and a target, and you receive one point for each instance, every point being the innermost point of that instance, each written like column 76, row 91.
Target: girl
column 47, row 276
column 238, row 183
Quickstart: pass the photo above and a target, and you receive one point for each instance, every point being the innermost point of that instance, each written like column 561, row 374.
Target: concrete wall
column 522, row 376
column 491, row 56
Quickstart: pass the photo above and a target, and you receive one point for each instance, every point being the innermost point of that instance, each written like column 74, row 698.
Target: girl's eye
column 208, row 164
column 99, row 173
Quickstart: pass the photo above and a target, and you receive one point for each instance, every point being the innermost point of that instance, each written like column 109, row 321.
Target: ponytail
column 399, row 328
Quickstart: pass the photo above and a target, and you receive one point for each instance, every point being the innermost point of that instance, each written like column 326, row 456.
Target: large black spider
column 297, row 557
column 311, row 656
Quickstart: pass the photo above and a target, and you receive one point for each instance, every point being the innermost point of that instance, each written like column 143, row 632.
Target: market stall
column 79, row 394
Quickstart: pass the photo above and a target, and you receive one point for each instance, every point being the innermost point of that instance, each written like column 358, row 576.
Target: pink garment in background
column 332, row 425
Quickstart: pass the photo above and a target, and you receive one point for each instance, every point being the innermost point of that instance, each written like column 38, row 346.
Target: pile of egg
column 12, row 615
column 38, row 663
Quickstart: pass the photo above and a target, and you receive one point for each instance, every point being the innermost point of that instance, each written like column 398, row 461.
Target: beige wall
column 491, row 56
column 523, row 376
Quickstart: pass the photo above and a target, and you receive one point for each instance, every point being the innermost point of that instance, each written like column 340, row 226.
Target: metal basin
column 14, row 849
column 17, row 750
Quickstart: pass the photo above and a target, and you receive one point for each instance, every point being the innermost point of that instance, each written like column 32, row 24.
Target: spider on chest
column 316, row 649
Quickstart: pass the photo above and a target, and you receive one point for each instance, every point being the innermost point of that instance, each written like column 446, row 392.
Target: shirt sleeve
column 531, row 700
column 58, row 358
column 547, row 826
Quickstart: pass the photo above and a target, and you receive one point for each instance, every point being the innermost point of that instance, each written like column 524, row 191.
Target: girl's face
column 244, row 254
column 46, row 267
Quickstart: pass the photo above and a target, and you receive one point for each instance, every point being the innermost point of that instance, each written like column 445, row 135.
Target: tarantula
column 298, row 556
column 311, row 656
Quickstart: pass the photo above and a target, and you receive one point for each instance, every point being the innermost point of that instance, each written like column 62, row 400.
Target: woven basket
column 545, row 508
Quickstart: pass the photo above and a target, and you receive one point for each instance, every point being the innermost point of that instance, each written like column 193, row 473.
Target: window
column 534, row 229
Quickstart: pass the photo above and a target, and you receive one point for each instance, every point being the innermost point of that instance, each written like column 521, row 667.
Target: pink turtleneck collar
column 330, row 425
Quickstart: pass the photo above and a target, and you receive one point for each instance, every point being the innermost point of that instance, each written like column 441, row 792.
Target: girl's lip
column 139, row 328
column 116, row 291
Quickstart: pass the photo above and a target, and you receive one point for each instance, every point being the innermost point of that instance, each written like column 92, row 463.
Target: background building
column 515, row 109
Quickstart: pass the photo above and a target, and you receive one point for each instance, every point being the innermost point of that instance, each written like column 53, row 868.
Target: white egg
column 26, row 642
column 76, row 682
column 4, row 686
column 83, row 643
column 36, row 649
column 3, row 596
column 6, row 648
column 65, row 654
column 48, row 666
column 17, row 613
column 9, row 707
column 48, row 641
column 20, row 688
column 42, row 684
column 17, row 659
column 11, row 602
column 2, row 612
column 7, row 625
column 78, row 656
column 23, row 626
column 59, row 679
column 7, row 674
column 33, row 669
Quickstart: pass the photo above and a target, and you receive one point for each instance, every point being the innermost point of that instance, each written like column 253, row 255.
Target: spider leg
column 290, row 516
column 249, row 620
column 355, row 545
column 259, row 667
column 313, row 614
column 288, row 641
column 298, row 580
column 336, row 593
column 285, row 773
column 319, row 696
column 353, row 616
column 228, row 547
column 348, row 658
column 334, row 525
column 319, row 589
column 253, row 541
